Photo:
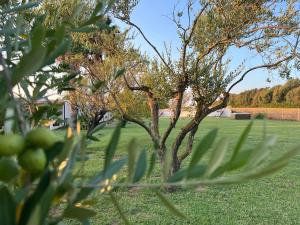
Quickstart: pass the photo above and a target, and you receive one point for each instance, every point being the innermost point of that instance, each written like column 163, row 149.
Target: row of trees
column 286, row 95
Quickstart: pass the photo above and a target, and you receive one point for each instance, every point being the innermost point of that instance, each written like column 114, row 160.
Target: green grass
column 271, row 200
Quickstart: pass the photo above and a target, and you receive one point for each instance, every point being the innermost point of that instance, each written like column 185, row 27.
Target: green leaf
column 217, row 157
column 196, row 172
column 109, row 6
column 118, row 207
column 97, row 9
column 240, row 160
column 203, row 147
column 151, row 164
column 61, row 49
column 85, row 29
column 79, row 213
column 35, row 198
column 141, row 166
column 77, row 11
column 132, row 147
column 34, row 59
column 169, row 205
column 93, row 20
column 20, row 7
column 24, row 86
column 120, row 72
column 41, row 210
column 8, row 31
column 7, row 207
column 35, row 217
column 241, row 140
column 40, row 82
column 67, row 171
column 70, row 77
column 97, row 128
column 54, row 150
column 68, row 145
column 96, row 180
column 93, row 138
column 112, row 146
column 29, row 64
column 98, row 85
column 260, row 152
column 275, row 165
column 262, row 172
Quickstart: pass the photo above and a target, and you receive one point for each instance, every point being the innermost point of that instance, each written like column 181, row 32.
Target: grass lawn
column 272, row 200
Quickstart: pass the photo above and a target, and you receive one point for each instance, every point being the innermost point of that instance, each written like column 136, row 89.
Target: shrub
column 260, row 116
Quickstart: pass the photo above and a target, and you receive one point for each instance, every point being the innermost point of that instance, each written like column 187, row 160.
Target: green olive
column 40, row 138
column 9, row 169
column 11, row 144
column 33, row 160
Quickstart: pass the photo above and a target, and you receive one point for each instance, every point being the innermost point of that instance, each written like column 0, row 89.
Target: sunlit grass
column 272, row 200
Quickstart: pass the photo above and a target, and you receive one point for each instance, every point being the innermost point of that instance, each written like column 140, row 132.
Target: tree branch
column 148, row 41
column 174, row 119
column 190, row 144
column 140, row 88
column 259, row 67
column 188, row 40
column 128, row 118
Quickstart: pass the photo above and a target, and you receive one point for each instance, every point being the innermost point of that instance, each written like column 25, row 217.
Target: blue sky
column 150, row 15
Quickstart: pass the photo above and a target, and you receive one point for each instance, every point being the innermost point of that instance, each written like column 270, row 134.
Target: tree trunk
column 154, row 108
column 95, row 121
column 190, row 144
column 191, row 128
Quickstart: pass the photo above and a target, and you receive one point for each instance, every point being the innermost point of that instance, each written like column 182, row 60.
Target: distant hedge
column 286, row 95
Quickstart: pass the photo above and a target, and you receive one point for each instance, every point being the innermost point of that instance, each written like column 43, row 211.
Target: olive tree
column 210, row 31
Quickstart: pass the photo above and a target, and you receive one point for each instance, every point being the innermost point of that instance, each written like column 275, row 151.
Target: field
column 271, row 200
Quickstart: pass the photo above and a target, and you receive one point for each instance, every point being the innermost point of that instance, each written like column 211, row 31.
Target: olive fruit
column 11, row 144
column 9, row 169
column 40, row 138
column 33, row 160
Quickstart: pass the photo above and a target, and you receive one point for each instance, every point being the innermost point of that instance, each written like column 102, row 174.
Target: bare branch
column 148, row 41
column 139, row 88
column 188, row 40
column 259, row 67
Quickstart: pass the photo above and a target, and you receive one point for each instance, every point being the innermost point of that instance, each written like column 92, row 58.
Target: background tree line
column 285, row 95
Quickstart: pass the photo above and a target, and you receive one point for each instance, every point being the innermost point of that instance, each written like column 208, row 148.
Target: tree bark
column 191, row 128
column 154, row 109
column 190, row 144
